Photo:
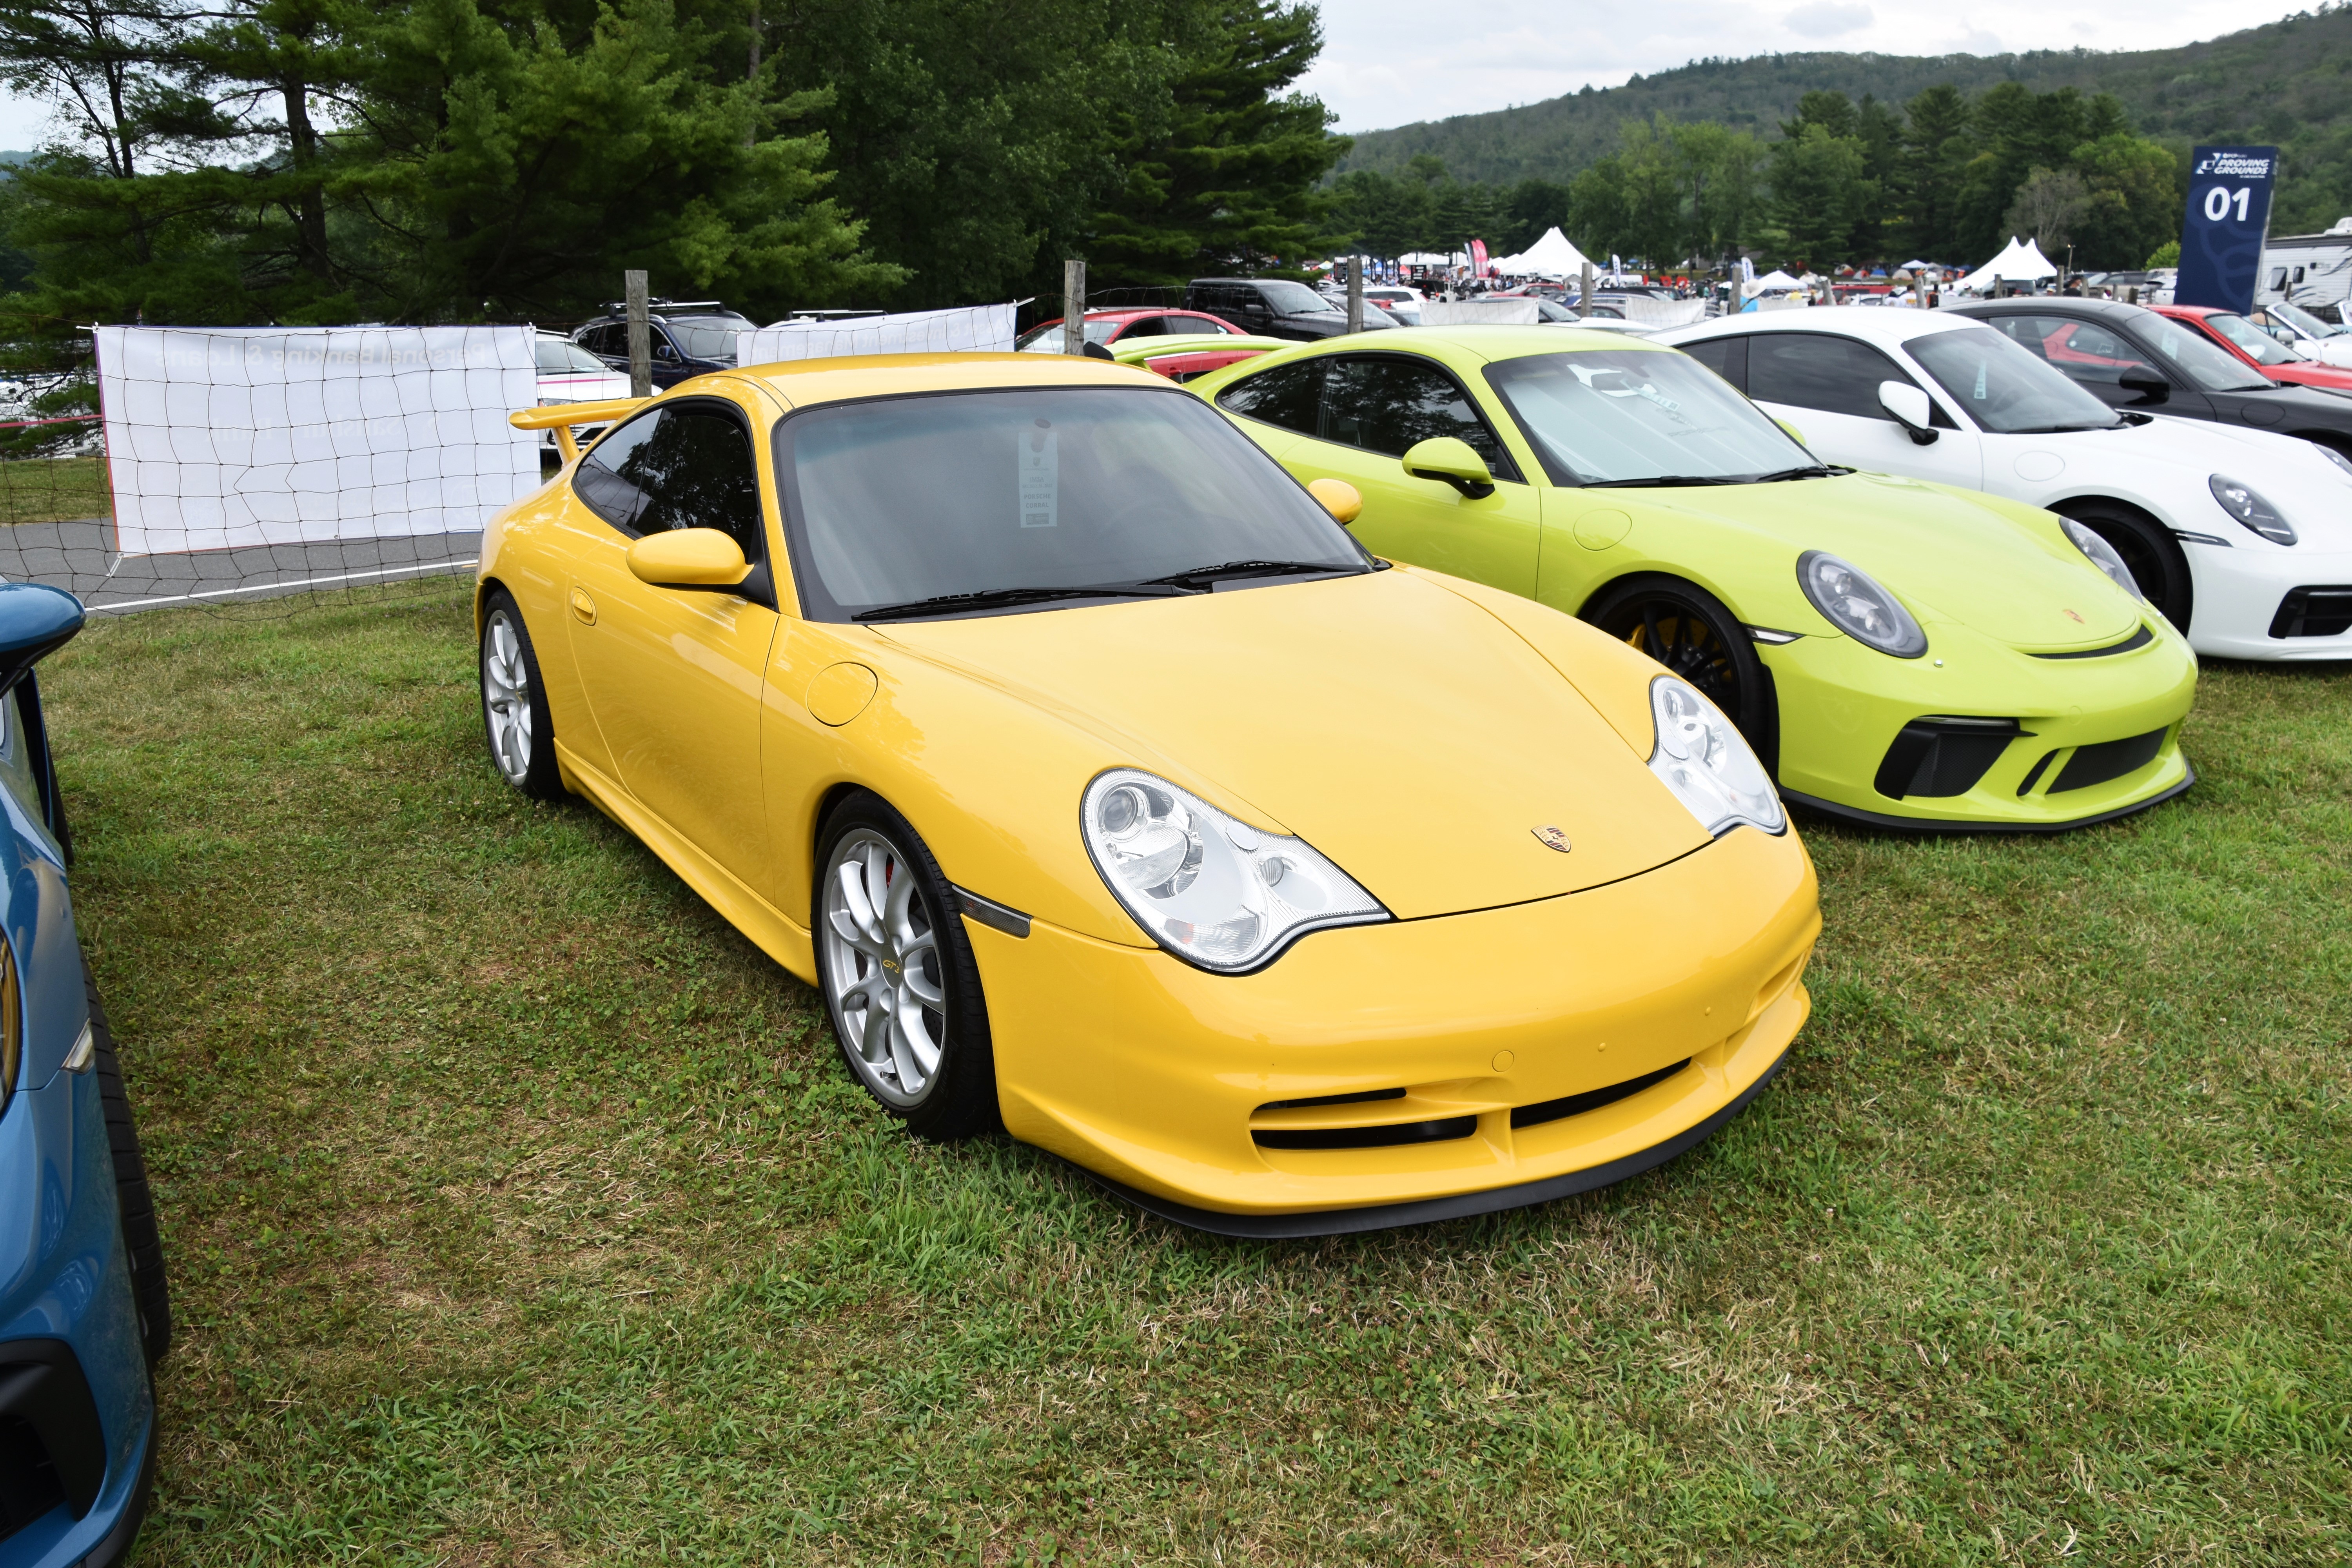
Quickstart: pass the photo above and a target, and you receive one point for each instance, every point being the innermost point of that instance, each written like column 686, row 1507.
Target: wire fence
column 235, row 465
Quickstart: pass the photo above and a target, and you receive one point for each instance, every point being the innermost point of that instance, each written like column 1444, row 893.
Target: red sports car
column 2257, row 347
column 1107, row 327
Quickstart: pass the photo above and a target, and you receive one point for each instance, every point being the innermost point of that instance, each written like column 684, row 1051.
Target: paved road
column 74, row 556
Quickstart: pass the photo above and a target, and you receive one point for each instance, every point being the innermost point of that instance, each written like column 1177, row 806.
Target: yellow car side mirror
column 1343, row 501
column 688, row 558
column 1794, row 434
column 1449, row 460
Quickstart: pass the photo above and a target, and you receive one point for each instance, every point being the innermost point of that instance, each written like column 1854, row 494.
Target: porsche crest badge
column 1553, row 838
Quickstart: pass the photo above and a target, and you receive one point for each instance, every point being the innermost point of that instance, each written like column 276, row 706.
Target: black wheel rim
column 1687, row 643
column 2148, row 567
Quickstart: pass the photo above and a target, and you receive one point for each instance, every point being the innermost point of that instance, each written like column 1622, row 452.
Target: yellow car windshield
column 893, row 503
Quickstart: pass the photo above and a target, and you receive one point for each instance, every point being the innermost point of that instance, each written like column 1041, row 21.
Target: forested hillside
column 2287, row 82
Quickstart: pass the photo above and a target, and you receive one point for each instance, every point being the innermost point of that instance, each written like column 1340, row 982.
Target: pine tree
column 1230, row 181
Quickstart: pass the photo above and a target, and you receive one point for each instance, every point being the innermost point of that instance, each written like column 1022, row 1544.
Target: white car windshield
column 559, row 356
column 2007, row 388
column 2303, row 320
column 986, row 500
column 1631, row 417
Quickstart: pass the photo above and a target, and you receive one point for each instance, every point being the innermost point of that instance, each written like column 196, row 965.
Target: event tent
column 1773, row 282
column 2019, row 262
column 1553, row 255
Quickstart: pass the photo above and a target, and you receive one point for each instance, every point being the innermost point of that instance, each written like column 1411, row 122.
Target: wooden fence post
column 641, row 337
column 1074, row 307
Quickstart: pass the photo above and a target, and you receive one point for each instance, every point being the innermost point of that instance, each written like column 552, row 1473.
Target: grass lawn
column 521, row 1213
column 53, row 489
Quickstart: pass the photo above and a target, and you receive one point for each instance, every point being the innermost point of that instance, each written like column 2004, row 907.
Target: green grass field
column 53, row 489
column 521, row 1212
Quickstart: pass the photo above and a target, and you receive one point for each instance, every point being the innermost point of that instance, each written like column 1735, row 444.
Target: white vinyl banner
column 1479, row 313
column 218, row 438
column 969, row 329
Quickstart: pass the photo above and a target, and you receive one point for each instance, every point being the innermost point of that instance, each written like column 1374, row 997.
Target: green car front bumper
column 1977, row 736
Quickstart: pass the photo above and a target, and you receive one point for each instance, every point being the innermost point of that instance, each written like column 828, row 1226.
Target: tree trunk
column 311, row 199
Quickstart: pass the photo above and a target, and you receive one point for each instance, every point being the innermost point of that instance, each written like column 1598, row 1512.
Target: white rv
column 2308, row 270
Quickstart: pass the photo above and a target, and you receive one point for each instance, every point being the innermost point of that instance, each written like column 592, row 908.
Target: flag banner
column 225, row 438
column 2221, row 233
column 971, row 328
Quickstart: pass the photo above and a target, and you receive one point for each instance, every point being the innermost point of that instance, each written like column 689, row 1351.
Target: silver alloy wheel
column 505, row 697
column 882, row 958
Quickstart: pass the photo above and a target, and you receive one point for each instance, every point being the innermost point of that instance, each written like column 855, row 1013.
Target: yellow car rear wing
column 560, row 417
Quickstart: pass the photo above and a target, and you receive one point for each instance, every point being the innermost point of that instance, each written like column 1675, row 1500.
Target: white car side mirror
column 1911, row 409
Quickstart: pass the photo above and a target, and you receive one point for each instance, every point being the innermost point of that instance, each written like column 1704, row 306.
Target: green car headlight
column 1858, row 606
column 2245, row 503
column 2103, row 556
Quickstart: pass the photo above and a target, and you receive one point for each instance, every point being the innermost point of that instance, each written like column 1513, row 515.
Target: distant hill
column 2288, row 82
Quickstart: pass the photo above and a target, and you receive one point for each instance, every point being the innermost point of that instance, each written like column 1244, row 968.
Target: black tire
column 149, row 1286
column 958, row 1099
column 1688, row 630
column 2157, row 562
column 534, row 771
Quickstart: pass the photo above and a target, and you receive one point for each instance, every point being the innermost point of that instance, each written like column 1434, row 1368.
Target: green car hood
column 1947, row 553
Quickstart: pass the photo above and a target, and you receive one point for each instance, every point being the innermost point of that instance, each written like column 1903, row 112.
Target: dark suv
column 1276, row 308
column 687, row 339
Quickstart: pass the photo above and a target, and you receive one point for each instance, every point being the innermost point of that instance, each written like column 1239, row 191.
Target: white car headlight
column 2103, row 556
column 1858, row 606
column 2335, row 456
column 1702, row 757
column 1213, row 892
column 2246, row 504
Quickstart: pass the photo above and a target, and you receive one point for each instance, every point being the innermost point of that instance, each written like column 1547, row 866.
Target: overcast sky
column 1387, row 62
column 1390, row 62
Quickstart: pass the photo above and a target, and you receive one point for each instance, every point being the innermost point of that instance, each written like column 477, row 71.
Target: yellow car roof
column 803, row 381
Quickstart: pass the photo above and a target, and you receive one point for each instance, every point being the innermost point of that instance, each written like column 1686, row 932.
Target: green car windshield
column 1628, row 416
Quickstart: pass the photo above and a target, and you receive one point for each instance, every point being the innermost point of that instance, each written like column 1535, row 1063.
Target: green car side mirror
column 1794, row 434
column 1449, row 460
column 688, row 558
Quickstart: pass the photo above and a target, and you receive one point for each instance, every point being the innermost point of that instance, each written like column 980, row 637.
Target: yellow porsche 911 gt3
column 1113, row 793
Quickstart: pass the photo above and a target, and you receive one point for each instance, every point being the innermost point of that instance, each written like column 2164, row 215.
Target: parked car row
column 1372, row 758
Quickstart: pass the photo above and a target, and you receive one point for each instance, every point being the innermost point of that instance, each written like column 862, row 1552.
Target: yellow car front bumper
column 1456, row 1065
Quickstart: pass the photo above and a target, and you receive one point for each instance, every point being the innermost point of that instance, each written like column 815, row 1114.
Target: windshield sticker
column 1041, row 476
column 1978, row 394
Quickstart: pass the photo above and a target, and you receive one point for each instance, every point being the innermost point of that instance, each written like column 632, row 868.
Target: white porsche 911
column 2243, row 539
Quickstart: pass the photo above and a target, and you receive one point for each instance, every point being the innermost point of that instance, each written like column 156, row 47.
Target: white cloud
column 1389, row 62
column 1828, row 19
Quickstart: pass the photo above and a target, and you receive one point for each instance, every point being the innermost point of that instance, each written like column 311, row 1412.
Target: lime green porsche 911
column 1900, row 653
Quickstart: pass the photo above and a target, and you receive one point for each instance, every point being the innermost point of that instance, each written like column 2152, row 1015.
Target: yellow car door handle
column 583, row 606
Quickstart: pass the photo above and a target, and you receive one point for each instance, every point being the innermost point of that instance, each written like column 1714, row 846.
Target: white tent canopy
column 1425, row 258
column 1773, row 282
column 2019, row 262
column 1553, row 255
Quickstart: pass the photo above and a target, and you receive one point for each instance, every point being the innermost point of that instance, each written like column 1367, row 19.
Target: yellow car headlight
column 1704, row 759
column 1215, row 891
